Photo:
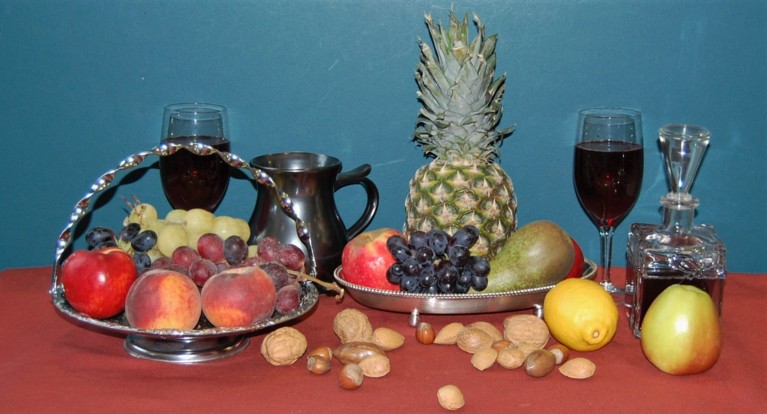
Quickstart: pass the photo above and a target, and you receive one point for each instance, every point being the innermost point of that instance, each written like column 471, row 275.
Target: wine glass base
column 618, row 294
column 612, row 289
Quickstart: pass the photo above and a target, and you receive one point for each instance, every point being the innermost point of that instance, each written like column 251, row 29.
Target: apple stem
column 329, row 286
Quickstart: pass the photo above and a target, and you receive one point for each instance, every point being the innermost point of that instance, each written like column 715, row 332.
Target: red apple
column 681, row 331
column 578, row 263
column 366, row 259
column 96, row 282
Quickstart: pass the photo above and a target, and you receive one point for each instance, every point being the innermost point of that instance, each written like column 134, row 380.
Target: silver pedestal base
column 185, row 350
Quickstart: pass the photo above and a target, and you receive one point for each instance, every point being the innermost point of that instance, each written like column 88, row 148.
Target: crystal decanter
column 677, row 251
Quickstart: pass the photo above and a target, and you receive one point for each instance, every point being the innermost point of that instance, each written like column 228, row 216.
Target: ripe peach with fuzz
column 163, row 299
column 238, row 297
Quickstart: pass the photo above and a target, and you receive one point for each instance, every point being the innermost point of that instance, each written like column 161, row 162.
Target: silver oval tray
column 451, row 304
column 205, row 342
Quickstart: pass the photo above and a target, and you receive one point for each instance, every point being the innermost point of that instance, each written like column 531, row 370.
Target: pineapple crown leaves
column 460, row 96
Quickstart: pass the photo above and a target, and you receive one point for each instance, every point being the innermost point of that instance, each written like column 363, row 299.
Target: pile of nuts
column 362, row 351
column 521, row 344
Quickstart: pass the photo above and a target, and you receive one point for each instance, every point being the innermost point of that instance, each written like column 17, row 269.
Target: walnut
column 283, row 346
column 526, row 329
column 351, row 325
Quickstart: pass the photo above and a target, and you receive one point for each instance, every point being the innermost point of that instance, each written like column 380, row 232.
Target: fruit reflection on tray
column 468, row 303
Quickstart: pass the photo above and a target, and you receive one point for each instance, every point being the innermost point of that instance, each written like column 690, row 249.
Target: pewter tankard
column 310, row 180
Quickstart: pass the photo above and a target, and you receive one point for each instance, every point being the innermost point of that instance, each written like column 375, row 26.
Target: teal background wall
column 83, row 83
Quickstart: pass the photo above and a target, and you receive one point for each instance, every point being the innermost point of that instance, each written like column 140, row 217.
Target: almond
column 388, row 339
column 578, row 368
column 489, row 329
column 472, row 340
column 375, row 366
column 448, row 334
column 511, row 358
column 484, row 358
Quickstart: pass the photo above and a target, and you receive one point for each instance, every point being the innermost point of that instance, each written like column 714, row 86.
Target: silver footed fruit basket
column 205, row 342
column 452, row 304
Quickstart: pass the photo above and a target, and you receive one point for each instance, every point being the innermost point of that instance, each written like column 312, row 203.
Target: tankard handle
column 359, row 176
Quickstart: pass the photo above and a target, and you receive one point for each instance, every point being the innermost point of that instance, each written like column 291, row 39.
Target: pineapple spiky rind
column 461, row 108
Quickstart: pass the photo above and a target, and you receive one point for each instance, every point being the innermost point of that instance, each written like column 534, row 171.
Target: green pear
column 538, row 254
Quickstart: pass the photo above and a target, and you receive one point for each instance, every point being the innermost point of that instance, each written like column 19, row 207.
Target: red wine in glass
column 607, row 173
column 195, row 181
column 608, row 177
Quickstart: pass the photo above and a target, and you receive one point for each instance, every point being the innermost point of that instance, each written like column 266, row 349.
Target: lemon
column 580, row 314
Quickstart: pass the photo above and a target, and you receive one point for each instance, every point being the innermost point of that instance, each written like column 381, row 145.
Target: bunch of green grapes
column 183, row 227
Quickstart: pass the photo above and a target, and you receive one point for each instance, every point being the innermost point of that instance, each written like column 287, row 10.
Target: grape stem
column 329, row 286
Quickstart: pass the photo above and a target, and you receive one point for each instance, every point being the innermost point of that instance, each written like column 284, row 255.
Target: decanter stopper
column 683, row 148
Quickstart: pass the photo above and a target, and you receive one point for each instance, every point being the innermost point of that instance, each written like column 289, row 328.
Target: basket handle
column 163, row 150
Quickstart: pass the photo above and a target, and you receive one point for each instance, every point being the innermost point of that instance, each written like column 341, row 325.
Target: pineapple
column 457, row 126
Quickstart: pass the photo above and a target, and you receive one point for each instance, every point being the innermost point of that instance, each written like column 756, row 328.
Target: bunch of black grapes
column 436, row 262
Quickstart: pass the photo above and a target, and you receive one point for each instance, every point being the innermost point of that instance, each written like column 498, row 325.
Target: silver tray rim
column 451, row 304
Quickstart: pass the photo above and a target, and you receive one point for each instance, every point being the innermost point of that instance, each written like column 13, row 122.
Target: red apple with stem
column 96, row 282
column 365, row 259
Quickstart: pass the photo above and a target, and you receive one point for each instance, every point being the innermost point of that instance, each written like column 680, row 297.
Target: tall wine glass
column 190, row 180
column 607, row 173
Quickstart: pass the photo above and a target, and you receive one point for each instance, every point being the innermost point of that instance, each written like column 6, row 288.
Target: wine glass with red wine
column 607, row 172
column 190, row 180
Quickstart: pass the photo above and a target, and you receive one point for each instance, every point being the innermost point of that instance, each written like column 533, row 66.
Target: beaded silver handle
column 163, row 150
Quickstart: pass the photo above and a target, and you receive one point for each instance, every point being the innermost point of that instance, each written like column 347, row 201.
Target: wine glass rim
column 609, row 112
column 195, row 107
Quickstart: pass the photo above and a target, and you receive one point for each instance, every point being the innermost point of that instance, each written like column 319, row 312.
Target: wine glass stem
column 606, row 250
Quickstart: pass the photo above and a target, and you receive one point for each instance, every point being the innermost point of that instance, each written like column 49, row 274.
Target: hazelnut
column 539, row 363
column 350, row 377
column 561, row 353
column 323, row 351
column 424, row 333
column 317, row 365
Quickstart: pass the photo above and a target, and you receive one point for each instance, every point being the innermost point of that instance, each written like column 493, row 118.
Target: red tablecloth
column 51, row 365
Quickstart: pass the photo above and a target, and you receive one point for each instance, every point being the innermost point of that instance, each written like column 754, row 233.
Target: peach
column 163, row 299
column 238, row 297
